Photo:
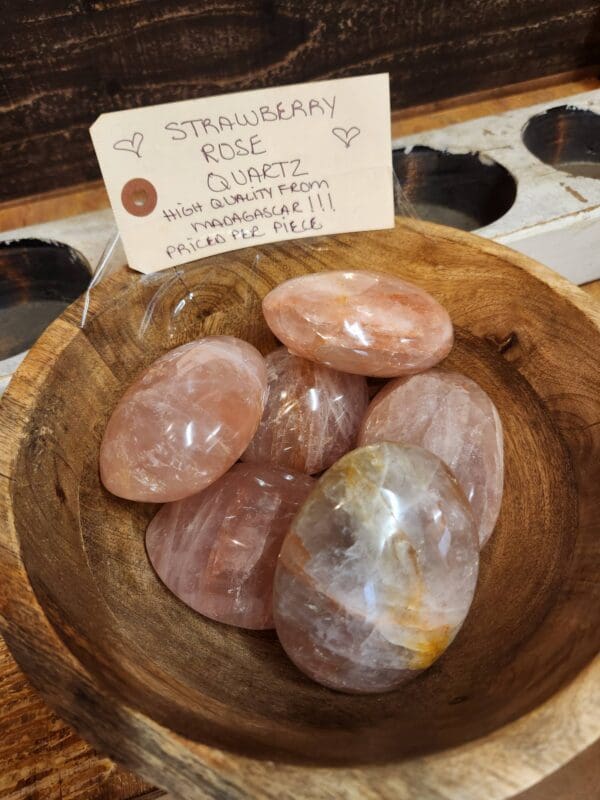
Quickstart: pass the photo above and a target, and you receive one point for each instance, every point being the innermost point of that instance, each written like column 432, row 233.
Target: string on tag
column 103, row 268
column 402, row 205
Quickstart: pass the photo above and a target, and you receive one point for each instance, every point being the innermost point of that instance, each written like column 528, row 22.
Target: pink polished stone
column 378, row 571
column 453, row 417
column 365, row 323
column 184, row 421
column 311, row 417
column 217, row 550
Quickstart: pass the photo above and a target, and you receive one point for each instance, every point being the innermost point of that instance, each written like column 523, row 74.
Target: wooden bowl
column 205, row 710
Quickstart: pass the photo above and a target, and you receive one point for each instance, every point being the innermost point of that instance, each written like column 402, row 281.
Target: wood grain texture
column 63, row 63
column 578, row 780
column 440, row 114
column 593, row 289
column 42, row 758
column 197, row 707
column 53, row 205
column 92, row 196
column 23, row 773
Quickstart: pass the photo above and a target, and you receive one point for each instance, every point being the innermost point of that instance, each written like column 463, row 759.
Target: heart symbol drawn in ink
column 130, row 145
column 346, row 135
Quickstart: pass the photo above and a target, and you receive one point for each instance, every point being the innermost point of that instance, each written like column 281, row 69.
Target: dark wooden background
column 63, row 62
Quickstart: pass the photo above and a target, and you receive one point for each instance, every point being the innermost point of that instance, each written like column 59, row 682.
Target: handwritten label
column 190, row 179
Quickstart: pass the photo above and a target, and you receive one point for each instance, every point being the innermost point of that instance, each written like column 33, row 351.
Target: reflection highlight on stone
column 217, row 549
column 378, row 571
column 184, row 421
column 365, row 323
column 311, row 417
column 450, row 415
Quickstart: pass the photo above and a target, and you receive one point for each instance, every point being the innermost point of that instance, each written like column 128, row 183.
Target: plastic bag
column 107, row 264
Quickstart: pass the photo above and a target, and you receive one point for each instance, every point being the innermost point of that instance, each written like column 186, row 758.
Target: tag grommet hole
column 139, row 197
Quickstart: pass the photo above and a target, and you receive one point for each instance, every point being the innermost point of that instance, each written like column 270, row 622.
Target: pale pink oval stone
column 453, row 417
column 217, row 550
column 184, row 421
column 378, row 571
column 365, row 323
column 311, row 417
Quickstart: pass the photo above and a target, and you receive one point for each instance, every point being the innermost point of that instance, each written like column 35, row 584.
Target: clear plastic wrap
column 107, row 264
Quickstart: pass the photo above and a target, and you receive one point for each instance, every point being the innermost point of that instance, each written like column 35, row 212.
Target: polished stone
column 311, row 417
column 364, row 323
column 184, row 421
column 217, row 550
column 378, row 571
column 453, row 417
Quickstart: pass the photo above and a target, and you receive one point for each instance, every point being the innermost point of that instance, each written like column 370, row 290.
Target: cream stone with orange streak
column 184, row 421
column 378, row 571
column 450, row 415
column 311, row 417
column 365, row 323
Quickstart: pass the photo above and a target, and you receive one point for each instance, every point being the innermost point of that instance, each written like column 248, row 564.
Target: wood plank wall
column 63, row 62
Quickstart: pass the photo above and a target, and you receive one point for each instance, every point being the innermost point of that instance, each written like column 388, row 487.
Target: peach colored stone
column 217, row 550
column 184, row 421
column 453, row 417
column 365, row 323
column 311, row 417
column 378, row 571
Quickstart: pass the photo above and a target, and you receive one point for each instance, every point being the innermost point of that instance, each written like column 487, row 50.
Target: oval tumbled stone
column 184, row 421
column 453, row 417
column 217, row 550
column 378, row 571
column 364, row 323
column 311, row 417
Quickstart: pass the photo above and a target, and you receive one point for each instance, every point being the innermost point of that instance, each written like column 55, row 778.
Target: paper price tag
column 190, row 179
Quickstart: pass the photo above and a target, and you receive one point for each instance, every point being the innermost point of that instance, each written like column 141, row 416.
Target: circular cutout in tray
column 38, row 280
column 463, row 190
column 567, row 138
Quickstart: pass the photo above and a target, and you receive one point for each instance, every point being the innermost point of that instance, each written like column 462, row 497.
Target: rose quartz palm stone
column 184, row 421
column 364, row 323
column 453, row 417
column 217, row 550
column 378, row 571
column 311, row 417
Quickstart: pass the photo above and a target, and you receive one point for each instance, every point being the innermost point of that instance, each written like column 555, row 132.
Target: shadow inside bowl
column 462, row 190
column 38, row 280
column 567, row 138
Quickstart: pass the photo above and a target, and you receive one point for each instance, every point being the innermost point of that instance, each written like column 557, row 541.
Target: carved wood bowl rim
column 562, row 726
